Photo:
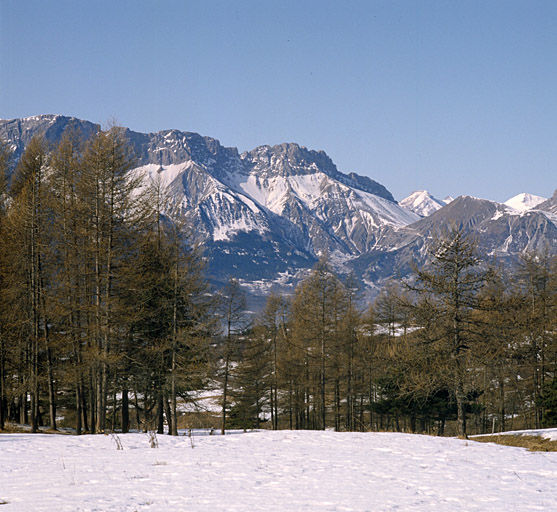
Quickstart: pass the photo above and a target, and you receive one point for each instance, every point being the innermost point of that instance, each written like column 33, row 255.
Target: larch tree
column 537, row 281
column 259, row 372
column 250, row 392
column 110, row 205
column 351, row 324
column 4, row 164
column 67, row 242
column 317, row 309
column 451, row 285
column 27, row 232
column 499, row 320
column 232, row 309
column 274, row 325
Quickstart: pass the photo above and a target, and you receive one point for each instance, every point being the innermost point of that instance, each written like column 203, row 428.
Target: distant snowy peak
column 423, row 203
column 523, row 202
column 448, row 199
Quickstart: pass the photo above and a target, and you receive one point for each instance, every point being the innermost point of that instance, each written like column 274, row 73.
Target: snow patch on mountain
column 313, row 190
column 167, row 174
column 221, row 212
column 390, row 213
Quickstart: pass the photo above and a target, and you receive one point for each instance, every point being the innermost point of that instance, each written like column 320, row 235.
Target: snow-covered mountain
column 524, row 201
column 286, row 190
column 502, row 233
column 265, row 215
column 422, row 203
column 338, row 213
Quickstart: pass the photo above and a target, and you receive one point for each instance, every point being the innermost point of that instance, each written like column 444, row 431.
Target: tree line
column 106, row 319
column 461, row 342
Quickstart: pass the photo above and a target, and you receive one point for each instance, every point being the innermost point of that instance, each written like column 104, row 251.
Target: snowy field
column 271, row 471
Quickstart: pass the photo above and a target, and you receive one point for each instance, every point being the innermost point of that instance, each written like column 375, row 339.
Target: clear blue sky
column 456, row 97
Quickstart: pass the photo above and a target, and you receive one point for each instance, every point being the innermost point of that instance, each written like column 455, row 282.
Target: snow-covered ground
column 272, row 471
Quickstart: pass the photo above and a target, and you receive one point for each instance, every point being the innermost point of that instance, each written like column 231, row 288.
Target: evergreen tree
column 547, row 402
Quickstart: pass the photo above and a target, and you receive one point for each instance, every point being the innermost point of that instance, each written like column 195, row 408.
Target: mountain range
column 264, row 216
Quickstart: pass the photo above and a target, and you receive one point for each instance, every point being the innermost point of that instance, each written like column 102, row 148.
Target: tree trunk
column 51, row 391
column 160, row 412
column 2, row 399
column 225, row 393
column 125, row 411
column 461, row 410
column 168, row 414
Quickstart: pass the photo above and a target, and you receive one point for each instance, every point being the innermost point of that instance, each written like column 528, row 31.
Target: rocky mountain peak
column 290, row 159
column 17, row 133
column 170, row 147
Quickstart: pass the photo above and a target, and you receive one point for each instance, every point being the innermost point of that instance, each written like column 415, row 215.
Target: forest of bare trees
column 103, row 302
column 108, row 323
column 460, row 344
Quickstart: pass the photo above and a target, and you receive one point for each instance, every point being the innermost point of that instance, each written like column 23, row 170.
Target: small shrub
column 153, row 441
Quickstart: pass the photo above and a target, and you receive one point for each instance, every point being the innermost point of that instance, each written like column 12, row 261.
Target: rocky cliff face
column 17, row 133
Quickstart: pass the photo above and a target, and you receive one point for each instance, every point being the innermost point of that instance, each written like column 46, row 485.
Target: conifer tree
column 110, row 207
column 499, row 323
column 27, row 234
column 4, row 164
column 450, row 288
column 232, row 308
column 273, row 324
column 318, row 307
column 537, row 279
column 67, row 240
